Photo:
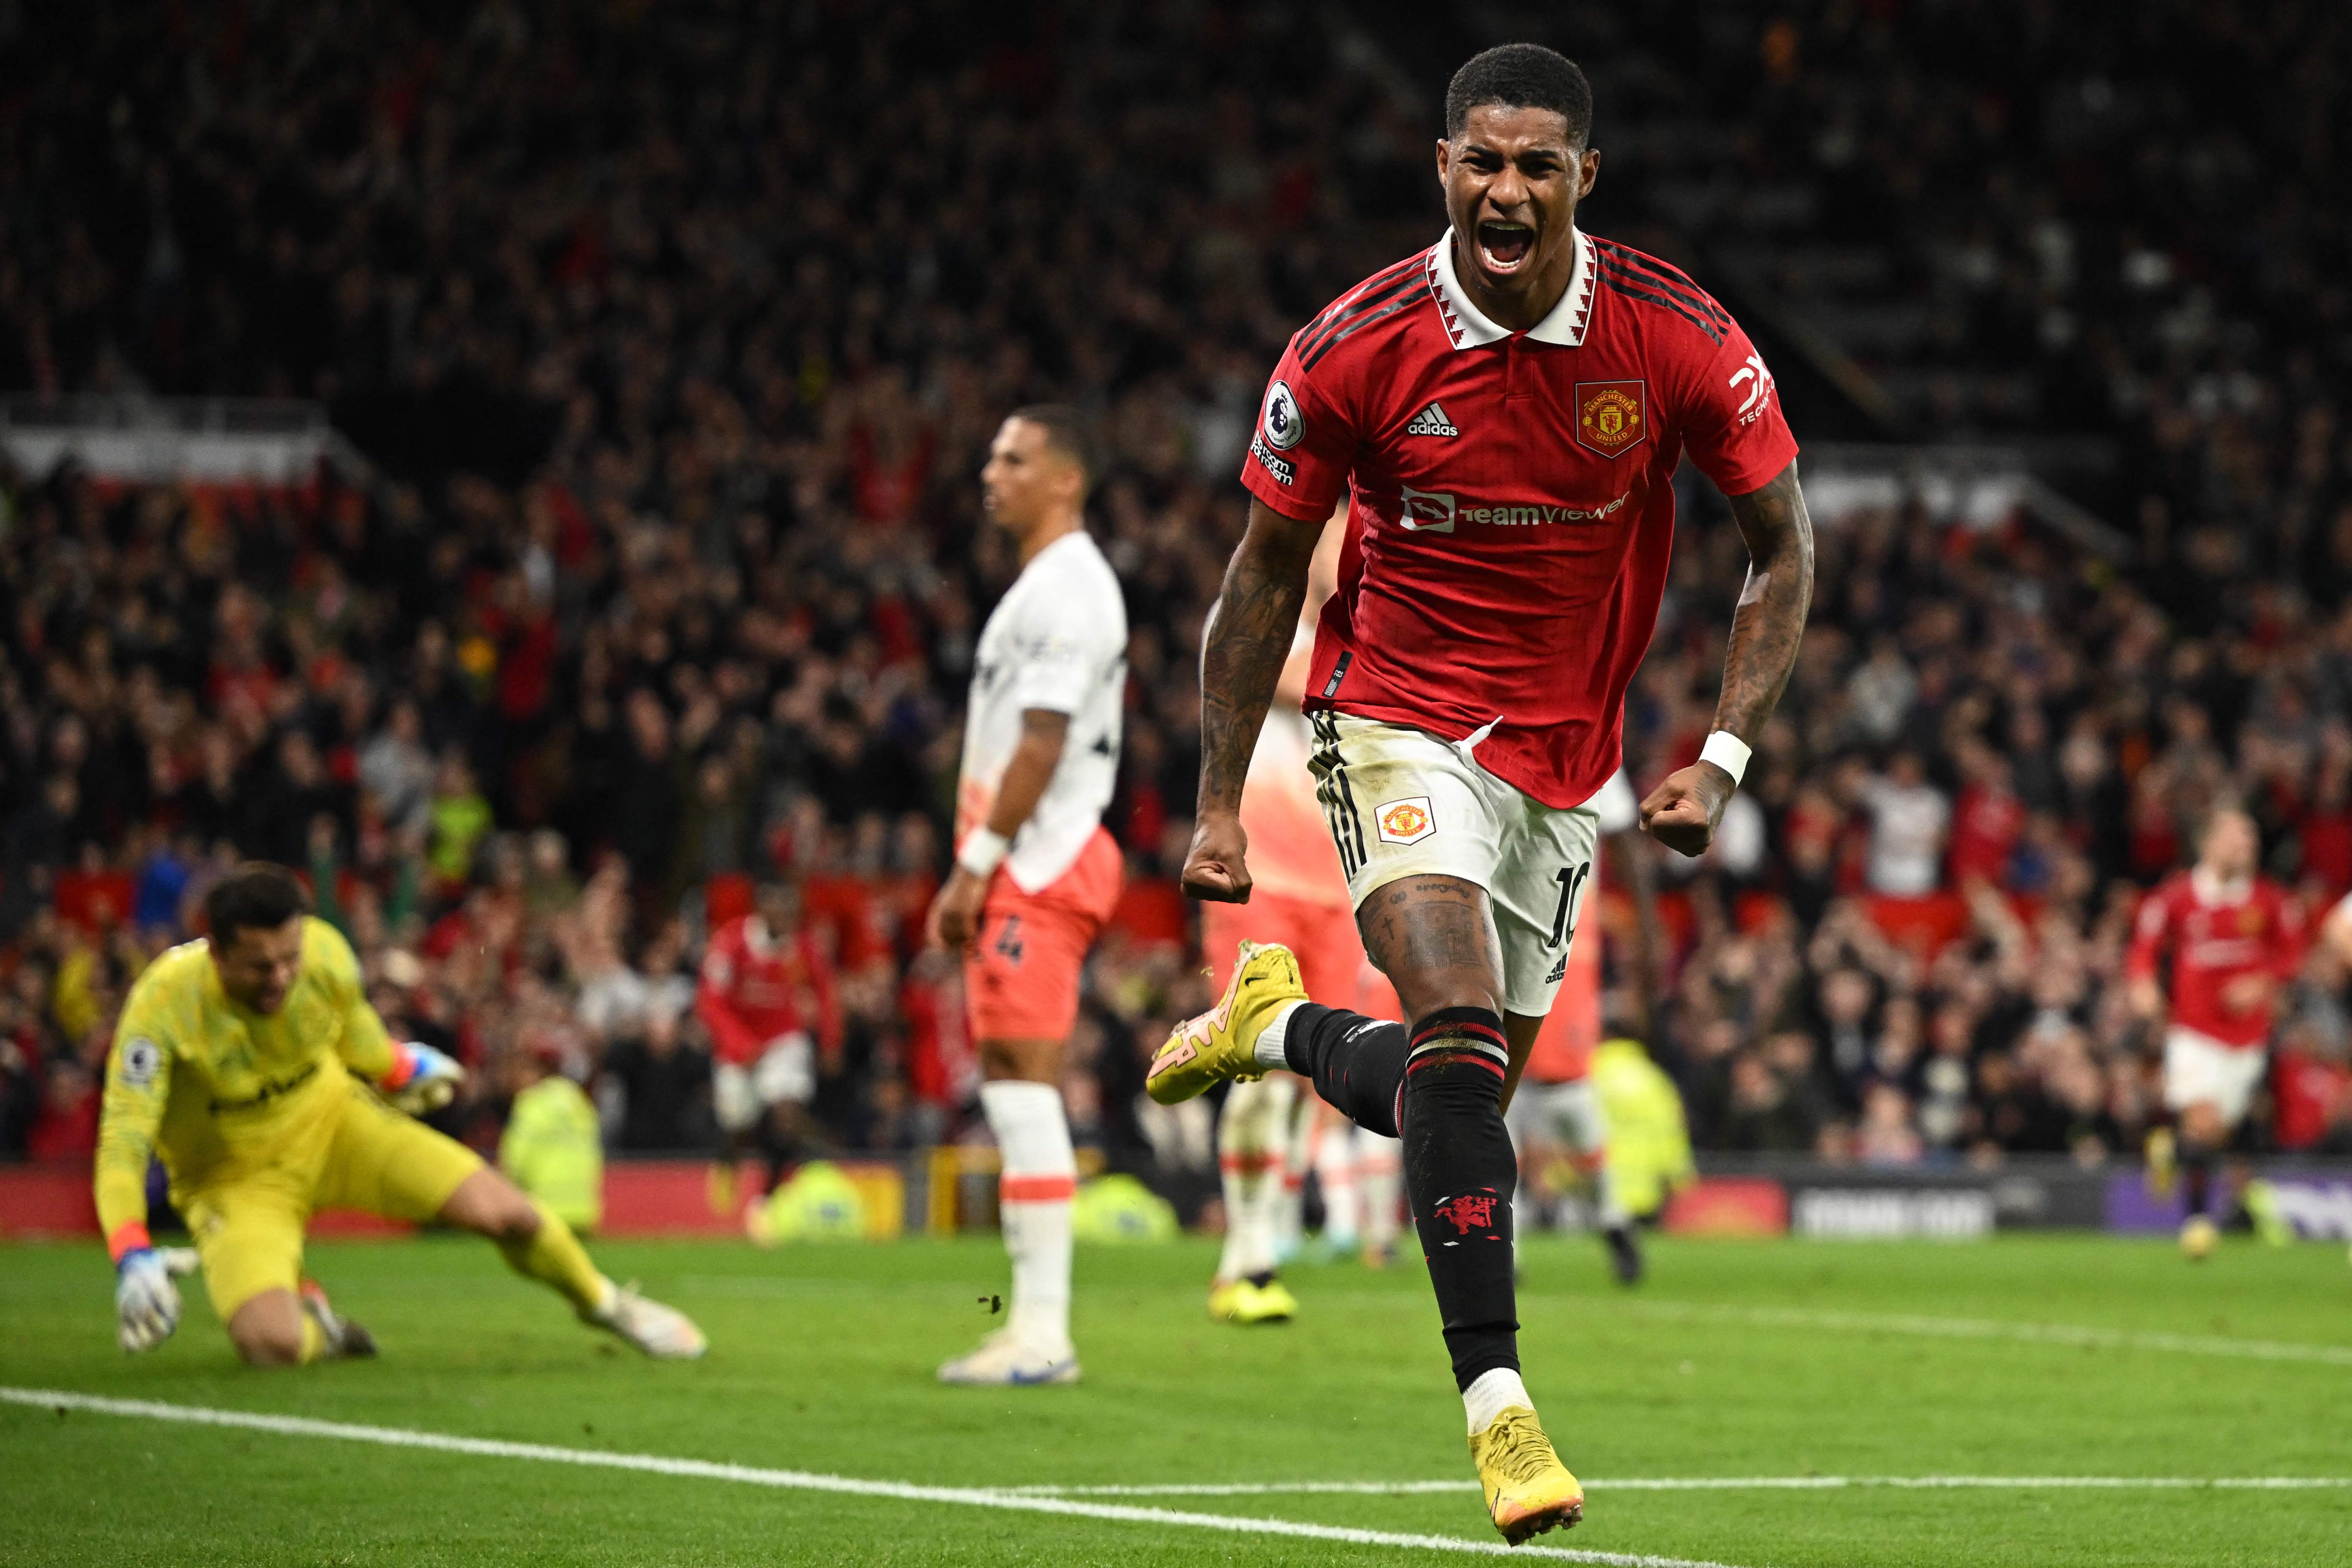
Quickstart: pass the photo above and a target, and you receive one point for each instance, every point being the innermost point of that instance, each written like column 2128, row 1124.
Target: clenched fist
column 1216, row 868
column 1683, row 812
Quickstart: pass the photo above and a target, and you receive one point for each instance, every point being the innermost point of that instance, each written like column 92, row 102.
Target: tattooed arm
column 1248, row 638
column 1683, row 812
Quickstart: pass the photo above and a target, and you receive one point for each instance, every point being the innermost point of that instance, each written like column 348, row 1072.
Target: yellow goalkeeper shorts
column 248, row 1222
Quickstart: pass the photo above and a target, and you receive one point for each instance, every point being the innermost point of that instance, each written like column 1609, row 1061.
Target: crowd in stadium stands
column 676, row 333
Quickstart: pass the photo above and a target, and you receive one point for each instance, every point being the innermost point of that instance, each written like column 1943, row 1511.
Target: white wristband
column 983, row 852
column 1728, row 752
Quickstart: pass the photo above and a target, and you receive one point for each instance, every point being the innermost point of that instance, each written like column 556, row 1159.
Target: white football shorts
column 1403, row 802
column 786, row 1071
column 1566, row 1115
column 2199, row 1068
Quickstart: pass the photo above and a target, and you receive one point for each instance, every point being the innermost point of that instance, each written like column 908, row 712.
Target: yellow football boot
column 1240, row 1302
column 1528, row 1489
column 1215, row 1047
column 1274, row 1304
column 2271, row 1224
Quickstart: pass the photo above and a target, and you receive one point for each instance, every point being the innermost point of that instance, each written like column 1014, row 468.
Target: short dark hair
column 1065, row 432
column 1521, row 76
column 256, row 893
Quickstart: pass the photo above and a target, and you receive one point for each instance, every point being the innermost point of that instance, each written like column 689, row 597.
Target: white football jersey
column 1057, row 641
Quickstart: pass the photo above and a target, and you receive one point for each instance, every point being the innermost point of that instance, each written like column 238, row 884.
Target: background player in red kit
column 1504, row 411
column 1555, row 1115
column 2234, row 939
column 766, row 996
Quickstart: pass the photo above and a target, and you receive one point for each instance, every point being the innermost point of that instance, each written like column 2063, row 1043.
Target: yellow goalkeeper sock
column 555, row 1257
column 314, row 1340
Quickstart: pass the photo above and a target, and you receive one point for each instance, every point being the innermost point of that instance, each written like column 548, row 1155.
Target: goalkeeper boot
column 1216, row 1047
column 663, row 1333
column 1528, row 1489
column 345, row 1339
column 1004, row 1360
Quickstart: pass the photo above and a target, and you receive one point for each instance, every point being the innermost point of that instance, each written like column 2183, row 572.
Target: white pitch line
column 806, row 1480
column 1990, row 1328
column 1712, row 1483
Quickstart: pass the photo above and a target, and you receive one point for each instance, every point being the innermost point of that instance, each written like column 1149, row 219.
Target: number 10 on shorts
column 1572, row 882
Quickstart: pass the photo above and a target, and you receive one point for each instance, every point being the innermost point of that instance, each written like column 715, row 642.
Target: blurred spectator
column 664, row 1080
column 1908, row 817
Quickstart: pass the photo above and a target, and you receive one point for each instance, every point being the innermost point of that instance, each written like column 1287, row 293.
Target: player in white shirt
column 1035, row 876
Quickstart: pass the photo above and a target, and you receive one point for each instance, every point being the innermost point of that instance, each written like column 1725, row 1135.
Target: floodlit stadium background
column 516, row 462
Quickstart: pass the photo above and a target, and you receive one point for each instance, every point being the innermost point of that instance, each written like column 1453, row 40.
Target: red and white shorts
column 1021, row 974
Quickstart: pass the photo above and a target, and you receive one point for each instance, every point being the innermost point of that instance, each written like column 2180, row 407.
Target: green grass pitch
column 2057, row 1357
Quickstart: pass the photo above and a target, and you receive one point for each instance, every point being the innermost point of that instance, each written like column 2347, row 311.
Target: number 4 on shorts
column 1008, row 941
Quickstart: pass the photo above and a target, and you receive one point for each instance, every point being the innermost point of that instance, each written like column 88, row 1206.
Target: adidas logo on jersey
column 1430, row 421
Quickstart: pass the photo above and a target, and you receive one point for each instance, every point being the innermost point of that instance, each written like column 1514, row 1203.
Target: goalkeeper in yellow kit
column 251, row 1062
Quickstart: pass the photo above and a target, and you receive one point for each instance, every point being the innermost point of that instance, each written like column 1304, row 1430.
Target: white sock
column 1587, row 1133
column 1491, row 1393
column 1249, row 1159
column 1288, row 1202
column 1380, row 1167
column 1607, row 1210
column 1041, row 1174
column 1268, row 1047
column 1335, row 1172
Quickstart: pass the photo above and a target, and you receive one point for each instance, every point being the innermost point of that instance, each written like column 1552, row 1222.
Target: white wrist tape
column 1728, row 752
column 983, row 852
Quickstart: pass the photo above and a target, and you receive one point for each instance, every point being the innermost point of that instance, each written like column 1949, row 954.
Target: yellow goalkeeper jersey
column 219, row 1090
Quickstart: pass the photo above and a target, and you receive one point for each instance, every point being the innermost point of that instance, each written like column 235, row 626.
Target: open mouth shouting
column 1505, row 247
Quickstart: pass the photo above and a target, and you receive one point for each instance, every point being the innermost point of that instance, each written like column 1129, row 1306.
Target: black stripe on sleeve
column 1412, row 296
column 1672, row 279
column 1371, row 300
column 1348, row 302
column 1624, row 285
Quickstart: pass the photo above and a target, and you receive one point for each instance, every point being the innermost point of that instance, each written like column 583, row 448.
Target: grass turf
column 821, row 1360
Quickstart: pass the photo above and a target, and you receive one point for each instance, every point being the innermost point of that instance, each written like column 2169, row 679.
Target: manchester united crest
column 1407, row 821
column 1471, row 1211
column 1610, row 416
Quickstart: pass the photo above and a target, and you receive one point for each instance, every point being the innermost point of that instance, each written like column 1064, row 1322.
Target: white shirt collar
column 1470, row 329
column 2213, row 892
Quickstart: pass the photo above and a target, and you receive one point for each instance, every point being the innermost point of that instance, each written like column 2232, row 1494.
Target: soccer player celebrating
column 251, row 1062
column 2235, row 938
column 1035, row 876
column 1506, row 410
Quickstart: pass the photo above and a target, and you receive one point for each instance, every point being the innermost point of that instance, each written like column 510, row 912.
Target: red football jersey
column 1512, row 503
column 755, row 987
column 2253, row 930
